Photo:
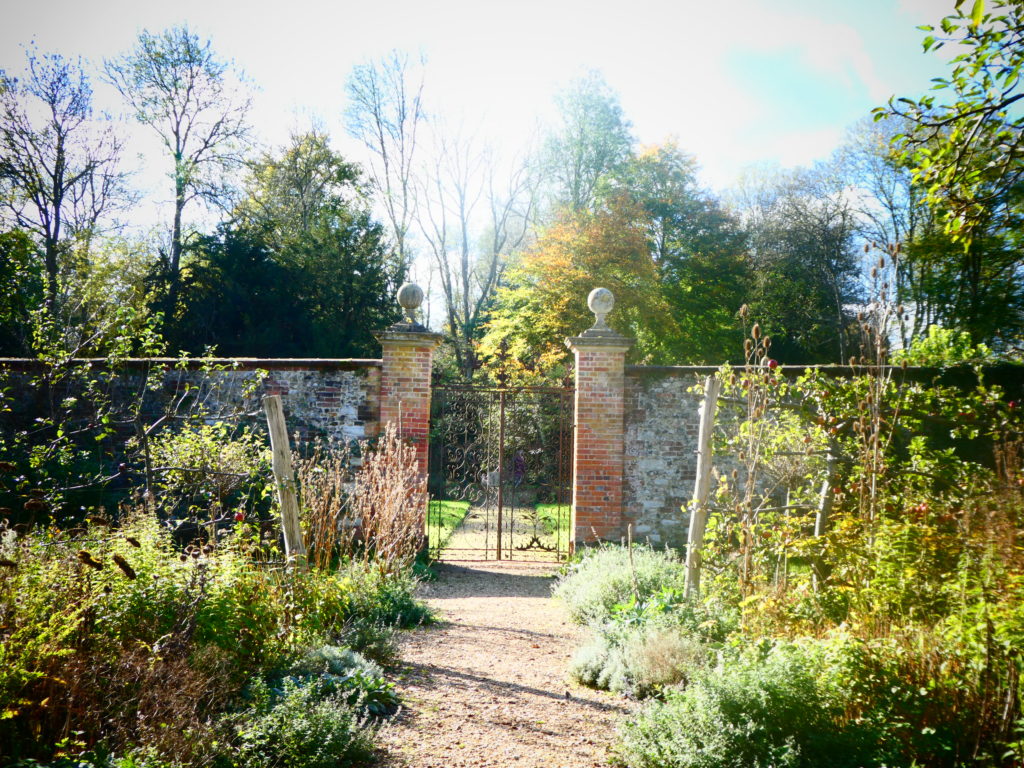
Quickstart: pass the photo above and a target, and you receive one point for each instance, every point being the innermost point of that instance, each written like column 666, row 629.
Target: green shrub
column 604, row 578
column 210, row 465
column 140, row 644
column 638, row 660
column 303, row 729
column 335, row 670
column 756, row 711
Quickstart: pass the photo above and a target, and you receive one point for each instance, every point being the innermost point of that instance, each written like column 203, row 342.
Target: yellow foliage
column 545, row 296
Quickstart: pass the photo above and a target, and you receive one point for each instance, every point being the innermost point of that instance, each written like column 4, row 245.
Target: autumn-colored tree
column 544, row 300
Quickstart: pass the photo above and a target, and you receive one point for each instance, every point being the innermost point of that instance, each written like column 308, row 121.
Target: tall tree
column 462, row 178
column 291, row 191
column 198, row 107
column 59, row 170
column 698, row 248
column 592, row 140
column 385, row 113
column 544, row 298
column 806, row 270
column 302, row 270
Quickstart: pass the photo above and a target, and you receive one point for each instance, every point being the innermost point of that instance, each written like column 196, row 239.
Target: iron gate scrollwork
column 500, row 472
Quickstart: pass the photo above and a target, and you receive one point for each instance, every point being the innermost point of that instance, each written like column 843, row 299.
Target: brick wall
column 407, row 359
column 598, row 457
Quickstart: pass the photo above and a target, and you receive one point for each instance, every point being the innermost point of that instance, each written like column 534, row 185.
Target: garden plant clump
column 861, row 599
column 124, row 643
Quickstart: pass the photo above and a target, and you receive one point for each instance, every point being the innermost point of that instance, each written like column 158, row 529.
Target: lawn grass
column 556, row 519
column 442, row 519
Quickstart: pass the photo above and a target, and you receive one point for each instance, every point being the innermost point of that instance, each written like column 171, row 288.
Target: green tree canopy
column 698, row 248
column 302, row 270
column 806, row 269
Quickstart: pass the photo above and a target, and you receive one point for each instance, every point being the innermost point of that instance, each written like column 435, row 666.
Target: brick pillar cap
column 599, row 339
column 407, row 333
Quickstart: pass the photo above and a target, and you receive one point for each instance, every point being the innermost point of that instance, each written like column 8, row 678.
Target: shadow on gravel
column 489, row 580
column 505, row 690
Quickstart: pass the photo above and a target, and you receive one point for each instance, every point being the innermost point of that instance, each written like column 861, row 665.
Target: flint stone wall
column 331, row 399
column 661, row 425
column 662, row 419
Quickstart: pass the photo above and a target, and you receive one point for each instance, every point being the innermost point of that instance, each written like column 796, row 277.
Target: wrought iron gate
column 500, row 473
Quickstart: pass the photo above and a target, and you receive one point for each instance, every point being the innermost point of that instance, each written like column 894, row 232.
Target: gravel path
column 487, row 685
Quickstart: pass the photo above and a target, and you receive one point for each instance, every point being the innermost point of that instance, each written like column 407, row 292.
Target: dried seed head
column 126, row 569
column 748, row 345
column 735, row 474
column 853, row 361
column 874, row 272
column 744, row 311
column 903, row 365
column 767, row 342
column 756, row 331
column 89, row 560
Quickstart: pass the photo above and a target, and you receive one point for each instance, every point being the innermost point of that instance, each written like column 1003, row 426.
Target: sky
column 736, row 83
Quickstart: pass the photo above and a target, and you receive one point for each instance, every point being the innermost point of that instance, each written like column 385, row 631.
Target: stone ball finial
column 410, row 297
column 601, row 301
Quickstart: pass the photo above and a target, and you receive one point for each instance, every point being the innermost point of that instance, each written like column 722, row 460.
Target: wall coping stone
column 1008, row 375
column 195, row 363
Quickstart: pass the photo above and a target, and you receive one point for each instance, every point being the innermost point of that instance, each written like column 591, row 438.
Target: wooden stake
column 702, row 486
column 284, row 475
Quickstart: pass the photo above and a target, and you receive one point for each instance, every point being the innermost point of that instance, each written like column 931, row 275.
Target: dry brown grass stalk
column 370, row 509
column 325, row 480
column 390, row 500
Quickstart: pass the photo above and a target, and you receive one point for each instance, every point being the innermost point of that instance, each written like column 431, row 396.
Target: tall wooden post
column 284, row 475
column 702, row 486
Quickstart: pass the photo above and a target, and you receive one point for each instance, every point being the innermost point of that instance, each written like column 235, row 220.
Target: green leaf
column 977, row 12
column 928, row 42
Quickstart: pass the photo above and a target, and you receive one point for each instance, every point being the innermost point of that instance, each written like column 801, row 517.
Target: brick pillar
column 408, row 356
column 597, row 474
